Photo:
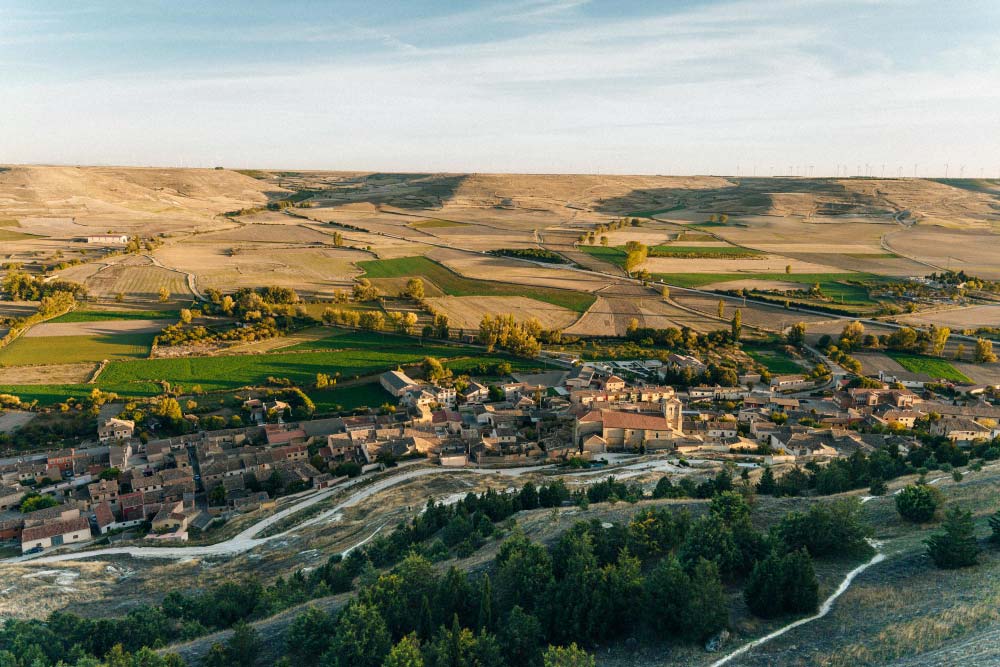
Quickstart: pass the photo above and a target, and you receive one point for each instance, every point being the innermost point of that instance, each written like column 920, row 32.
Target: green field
column 830, row 283
column 47, row 394
column 430, row 224
column 114, row 315
column 720, row 252
column 616, row 254
column 774, row 360
column 932, row 366
column 342, row 339
column 350, row 353
column 611, row 254
column 30, row 351
column 370, row 395
column 453, row 284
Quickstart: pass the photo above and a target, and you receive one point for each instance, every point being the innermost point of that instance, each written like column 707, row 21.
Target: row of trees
column 21, row 286
column 932, row 340
column 504, row 331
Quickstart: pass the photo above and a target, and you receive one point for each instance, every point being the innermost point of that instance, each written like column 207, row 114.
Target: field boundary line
column 97, row 371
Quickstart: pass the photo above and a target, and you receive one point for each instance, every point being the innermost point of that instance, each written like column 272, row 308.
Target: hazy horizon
column 817, row 88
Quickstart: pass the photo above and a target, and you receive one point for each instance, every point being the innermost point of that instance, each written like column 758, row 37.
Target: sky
column 734, row 87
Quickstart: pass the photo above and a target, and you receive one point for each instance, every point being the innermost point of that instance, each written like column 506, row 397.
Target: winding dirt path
column 823, row 611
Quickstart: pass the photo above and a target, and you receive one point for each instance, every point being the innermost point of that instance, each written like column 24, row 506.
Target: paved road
column 248, row 539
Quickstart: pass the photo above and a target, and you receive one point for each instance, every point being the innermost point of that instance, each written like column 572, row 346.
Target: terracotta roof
column 55, row 528
column 630, row 420
column 104, row 514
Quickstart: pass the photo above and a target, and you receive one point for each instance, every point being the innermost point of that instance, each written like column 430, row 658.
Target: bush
column 918, row 503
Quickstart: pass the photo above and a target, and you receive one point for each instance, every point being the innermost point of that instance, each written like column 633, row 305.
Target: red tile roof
column 47, row 530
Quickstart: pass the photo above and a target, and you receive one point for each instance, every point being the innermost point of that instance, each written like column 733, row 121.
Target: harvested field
column 313, row 271
column 756, row 315
column 617, row 305
column 95, row 328
column 137, row 276
column 465, row 312
column 763, row 264
column 956, row 319
column 434, row 223
column 486, row 267
column 49, row 374
column 873, row 362
column 980, row 373
column 290, row 232
column 974, row 252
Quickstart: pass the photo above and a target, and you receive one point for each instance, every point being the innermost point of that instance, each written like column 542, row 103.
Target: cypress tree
column 956, row 546
column 763, row 592
column 801, row 586
column 425, row 627
column 485, row 619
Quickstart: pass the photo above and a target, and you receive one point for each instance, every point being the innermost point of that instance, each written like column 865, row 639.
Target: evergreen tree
column 763, row 590
column 567, row 656
column 710, row 538
column 737, row 325
column 361, row 639
column 878, row 487
column 309, row 636
column 918, row 502
column 995, row 527
column 800, row 585
column 243, row 646
column 767, row 484
column 521, row 639
column 485, row 617
column 406, row 653
column 782, row 584
column 956, row 546
column 665, row 597
column 708, row 606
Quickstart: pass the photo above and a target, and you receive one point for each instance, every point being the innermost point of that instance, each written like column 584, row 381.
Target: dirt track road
column 248, row 538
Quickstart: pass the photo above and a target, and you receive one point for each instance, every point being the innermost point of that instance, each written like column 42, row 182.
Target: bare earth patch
column 51, row 374
column 55, row 329
column 14, row 419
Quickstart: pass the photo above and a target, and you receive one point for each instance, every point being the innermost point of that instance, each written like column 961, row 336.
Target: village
column 174, row 489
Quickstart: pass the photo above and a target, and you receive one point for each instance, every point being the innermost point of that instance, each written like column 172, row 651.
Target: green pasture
column 33, row 351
